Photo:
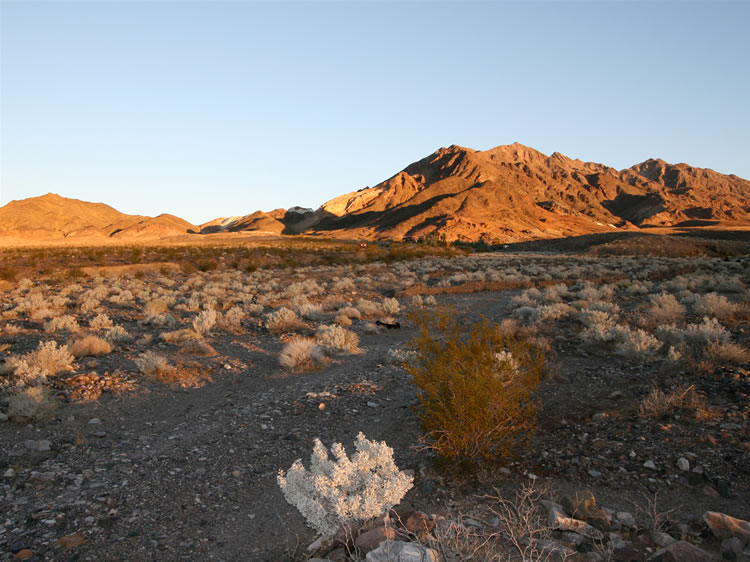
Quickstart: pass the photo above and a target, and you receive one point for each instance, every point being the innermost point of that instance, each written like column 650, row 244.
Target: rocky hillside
column 515, row 192
column 52, row 217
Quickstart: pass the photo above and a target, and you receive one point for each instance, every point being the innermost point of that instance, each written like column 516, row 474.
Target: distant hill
column 52, row 217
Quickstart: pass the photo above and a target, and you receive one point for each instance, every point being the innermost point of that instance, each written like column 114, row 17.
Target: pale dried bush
column 311, row 311
column 345, row 284
column 715, row 305
column 205, row 321
column 351, row 312
column 343, row 320
column 282, row 320
column 231, row 320
column 64, row 323
column 155, row 308
column 556, row 311
column 302, row 354
column 11, row 329
column 90, row 346
column 34, row 367
column 253, row 309
column 32, row 404
column 556, row 293
column 335, row 339
column 429, row 300
column 391, row 307
column 152, row 364
column 599, row 326
column 118, row 334
column 635, row 344
column 664, row 309
column 727, row 353
column 707, row 332
column 368, row 308
column 89, row 304
column 101, row 322
column 180, row 336
column 346, row 491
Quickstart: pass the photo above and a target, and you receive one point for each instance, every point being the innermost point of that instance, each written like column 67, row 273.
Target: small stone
column 649, row 464
column 3, row 417
column 23, row 554
column 683, row 464
column 398, row 551
column 594, row 473
column 626, row 519
column 371, row 539
column 662, row 539
column 730, row 426
column 237, row 474
column 94, row 421
column 321, row 544
column 559, row 521
column 710, row 491
column 732, row 545
column 41, row 445
column 372, row 404
column 725, row 526
column 10, row 473
column 321, row 406
column 614, row 395
column 71, row 541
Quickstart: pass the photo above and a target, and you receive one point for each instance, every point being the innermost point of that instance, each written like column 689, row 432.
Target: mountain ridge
column 507, row 193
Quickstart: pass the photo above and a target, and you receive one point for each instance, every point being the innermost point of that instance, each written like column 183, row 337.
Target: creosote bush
column 475, row 386
column 90, row 346
column 301, row 354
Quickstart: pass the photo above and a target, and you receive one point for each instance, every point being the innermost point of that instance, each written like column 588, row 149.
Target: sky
column 213, row 109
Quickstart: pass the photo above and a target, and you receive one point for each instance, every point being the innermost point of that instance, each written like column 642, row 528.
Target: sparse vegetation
column 473, row 405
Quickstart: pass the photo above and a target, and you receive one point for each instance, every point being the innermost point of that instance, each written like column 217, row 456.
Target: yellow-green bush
column 475, row 386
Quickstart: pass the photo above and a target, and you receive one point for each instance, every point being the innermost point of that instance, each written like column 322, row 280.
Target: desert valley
column 556, row 352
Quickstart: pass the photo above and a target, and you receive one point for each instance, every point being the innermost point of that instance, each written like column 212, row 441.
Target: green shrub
column 475, row 386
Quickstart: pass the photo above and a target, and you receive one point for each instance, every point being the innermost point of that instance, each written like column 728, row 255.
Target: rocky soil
column 148, row 471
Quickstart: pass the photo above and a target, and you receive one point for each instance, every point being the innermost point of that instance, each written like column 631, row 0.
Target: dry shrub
column 32, row 404
column 335, row 339
column 180, row 336
column 476, row 403
column 302, row 354
column 659, row 404
column 184, row 375
column 90, row 346
column 723, row 353
column 198, row 347
column 282, row 320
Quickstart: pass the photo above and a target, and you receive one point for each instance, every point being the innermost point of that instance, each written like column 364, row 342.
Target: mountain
column 515, row 192
column 52, row 217
column 508, row 193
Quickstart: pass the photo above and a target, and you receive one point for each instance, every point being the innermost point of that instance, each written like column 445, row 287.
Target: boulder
column 725, row 526
column 682, row 551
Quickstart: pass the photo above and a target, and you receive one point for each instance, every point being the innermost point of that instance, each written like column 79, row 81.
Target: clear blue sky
column 208, row 109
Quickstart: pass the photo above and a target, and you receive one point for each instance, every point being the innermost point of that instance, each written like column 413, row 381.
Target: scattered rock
column 561, row 522
column 662, row 539
column 398, row 551
column 38, row 446
column 649, row 464
column 582, row 505
column 683, row 464
column 71, row 541
column 682, row 551
column 732, row 546
column 626, row 519
column 3, row 417
column 23, row 554
column 725, row 526
column 370, row 540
